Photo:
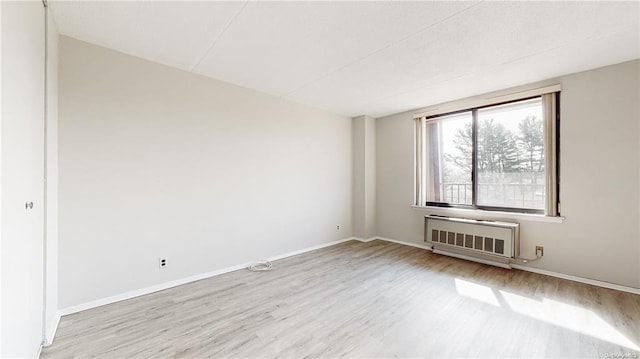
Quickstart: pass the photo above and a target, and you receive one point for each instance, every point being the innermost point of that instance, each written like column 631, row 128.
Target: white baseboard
column 473, row 259
column 598, row 283
column 574, row 278
column 421, row 246
column 162, row 286
column 171, row 284
column 309, row 249
column 51, row 332
column 365, row 240
column 147, row 290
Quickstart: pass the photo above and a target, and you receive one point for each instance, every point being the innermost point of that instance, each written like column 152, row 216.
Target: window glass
column 501, row 157
column 449, row 154
column 510, row 156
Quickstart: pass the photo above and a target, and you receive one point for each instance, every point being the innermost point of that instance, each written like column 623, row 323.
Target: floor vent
column 490, row 242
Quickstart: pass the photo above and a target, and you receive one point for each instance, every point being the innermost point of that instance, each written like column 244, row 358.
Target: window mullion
column 474, row 155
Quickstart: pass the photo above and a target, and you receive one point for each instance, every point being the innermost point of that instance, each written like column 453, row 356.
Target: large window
column 494, row 157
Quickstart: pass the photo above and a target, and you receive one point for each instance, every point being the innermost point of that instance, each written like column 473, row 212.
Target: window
column 493, row 156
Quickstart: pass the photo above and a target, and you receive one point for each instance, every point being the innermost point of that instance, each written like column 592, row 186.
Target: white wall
column 599, row 180
column 51, row 244
column 364, row 177
column 22, row 120
column 156, row 162
column 1, row 227
column 370, row 177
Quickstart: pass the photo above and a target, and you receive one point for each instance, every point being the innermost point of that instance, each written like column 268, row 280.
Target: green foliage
column 463, row 143
column 531, row 144
column 499, row 149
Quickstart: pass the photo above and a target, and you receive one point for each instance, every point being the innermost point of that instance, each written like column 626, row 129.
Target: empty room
column 319, row 179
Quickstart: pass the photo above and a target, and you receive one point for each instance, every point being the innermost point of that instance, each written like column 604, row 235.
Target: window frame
column 474, row 184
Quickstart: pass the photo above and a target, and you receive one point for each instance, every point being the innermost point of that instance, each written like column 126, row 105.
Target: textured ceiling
column 374, row 58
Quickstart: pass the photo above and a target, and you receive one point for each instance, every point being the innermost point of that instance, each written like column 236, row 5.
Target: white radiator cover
column 491, row 242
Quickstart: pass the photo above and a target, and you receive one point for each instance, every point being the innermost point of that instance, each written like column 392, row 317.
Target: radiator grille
column 485, row 244
column 473, row 236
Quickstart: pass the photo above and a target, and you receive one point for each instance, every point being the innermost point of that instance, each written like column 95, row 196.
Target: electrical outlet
column 162, row 263
column 539, row 251
column 338, row 227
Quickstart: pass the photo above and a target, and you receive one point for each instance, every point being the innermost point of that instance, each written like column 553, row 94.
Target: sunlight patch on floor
column 567, row 316
column 476, row 291
column 563, row 315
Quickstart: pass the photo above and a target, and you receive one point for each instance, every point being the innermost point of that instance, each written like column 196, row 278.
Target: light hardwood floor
column 375, row 299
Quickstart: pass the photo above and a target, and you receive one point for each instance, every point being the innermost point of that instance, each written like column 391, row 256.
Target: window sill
column 481, row 214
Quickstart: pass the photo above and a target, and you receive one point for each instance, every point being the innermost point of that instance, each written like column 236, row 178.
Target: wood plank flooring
column 374, row 299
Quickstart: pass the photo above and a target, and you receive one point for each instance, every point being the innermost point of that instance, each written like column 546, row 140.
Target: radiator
column 490, row 242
